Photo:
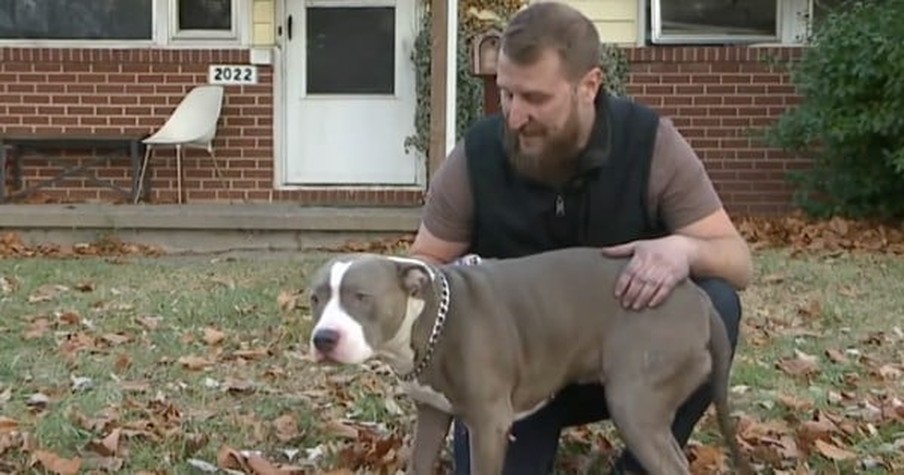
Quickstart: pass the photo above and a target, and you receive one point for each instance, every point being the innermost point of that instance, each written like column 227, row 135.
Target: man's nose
column 517, row 114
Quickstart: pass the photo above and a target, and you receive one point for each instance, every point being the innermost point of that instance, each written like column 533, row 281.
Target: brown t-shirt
column 679, row 190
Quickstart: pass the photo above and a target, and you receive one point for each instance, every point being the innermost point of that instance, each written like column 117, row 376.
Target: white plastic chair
column 192, row 125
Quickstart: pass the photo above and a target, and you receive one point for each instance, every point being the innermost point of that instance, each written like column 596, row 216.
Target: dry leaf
column 213, row 336
column 836, row 356
column 56, row 464
column 340, row 429
column 85, row 287
column 287, row 301
column 286, row 428
column 195, row 363
column 8, row 424
column 70, row 318
column 832, row 451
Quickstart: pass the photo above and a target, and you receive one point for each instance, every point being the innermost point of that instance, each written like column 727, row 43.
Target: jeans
column 537, row 437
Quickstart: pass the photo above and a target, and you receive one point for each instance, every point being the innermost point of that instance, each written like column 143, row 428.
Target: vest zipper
column 560, row 205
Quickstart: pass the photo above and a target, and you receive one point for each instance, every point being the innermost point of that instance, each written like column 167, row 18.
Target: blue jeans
column 537, row 437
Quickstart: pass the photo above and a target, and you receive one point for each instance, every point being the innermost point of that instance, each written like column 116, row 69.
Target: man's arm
column 433, row 249
column 716, row 249
column 703, row 241
column 445, row 230
column 691, row 208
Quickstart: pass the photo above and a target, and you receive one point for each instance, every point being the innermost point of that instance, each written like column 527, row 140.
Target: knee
column 727, row 302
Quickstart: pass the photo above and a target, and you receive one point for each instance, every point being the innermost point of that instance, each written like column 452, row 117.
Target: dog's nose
column 325, row 340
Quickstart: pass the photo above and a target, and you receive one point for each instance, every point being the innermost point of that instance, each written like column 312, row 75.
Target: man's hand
column 656, row 266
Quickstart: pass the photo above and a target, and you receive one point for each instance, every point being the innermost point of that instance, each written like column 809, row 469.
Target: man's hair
column 553, row 26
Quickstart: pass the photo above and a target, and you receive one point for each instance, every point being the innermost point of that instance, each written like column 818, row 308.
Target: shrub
column 850, row 121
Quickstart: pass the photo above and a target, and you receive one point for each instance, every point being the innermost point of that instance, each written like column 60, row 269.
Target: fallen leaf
column 85, row 287
column 109, row 445
column 8, row 424
column 287, row 301
column 286, row 428
column 149, row 322
column 70, row 318
column 195, row 363
column 832, row 451
column 56, row 464
column 213, row 336
column 836, row 356
column 46, row 293
column 795, row 403
column 341, row 429
column 116, row 338
column 706, row 459
column 801, row 365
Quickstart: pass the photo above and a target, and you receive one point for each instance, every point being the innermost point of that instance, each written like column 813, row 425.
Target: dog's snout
column 326, row 340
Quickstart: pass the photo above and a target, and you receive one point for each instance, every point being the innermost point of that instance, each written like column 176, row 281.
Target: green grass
column 189, row 357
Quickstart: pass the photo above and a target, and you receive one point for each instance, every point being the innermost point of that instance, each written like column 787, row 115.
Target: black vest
column 606, row 203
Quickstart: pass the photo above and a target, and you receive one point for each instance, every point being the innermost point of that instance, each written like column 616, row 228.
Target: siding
column 616, row 20
column 263, row 19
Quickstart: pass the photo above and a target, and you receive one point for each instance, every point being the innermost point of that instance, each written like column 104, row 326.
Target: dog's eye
column 314, row 299
column 362, row 297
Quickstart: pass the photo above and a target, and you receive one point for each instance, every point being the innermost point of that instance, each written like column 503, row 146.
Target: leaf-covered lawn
column 199, row 364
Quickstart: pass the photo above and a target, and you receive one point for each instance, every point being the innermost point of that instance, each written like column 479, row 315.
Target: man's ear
column 415, row 278
column 591, row 83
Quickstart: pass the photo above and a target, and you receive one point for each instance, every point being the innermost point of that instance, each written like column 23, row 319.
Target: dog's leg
column 429, row 434
column 489, row 430
column 643, row 421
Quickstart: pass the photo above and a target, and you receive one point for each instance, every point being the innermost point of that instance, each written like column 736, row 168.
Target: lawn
column 199, row 364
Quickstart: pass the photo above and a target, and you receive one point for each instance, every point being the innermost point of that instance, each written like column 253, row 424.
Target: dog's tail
column 720, row 351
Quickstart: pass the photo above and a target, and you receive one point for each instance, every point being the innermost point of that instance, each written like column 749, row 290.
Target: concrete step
column 208, row 227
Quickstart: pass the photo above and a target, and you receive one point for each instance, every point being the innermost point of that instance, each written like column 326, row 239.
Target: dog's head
column 364, row 305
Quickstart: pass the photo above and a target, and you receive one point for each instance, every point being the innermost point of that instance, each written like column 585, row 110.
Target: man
column 565, row 165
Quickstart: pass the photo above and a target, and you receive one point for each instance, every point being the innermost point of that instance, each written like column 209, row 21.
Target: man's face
column 542, row 115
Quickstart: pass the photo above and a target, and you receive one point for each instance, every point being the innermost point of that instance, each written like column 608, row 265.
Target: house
column 320, row 94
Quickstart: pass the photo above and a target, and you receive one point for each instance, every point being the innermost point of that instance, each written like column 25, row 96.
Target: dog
column 492, row 343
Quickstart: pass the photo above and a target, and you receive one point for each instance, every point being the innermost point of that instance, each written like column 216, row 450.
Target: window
column 714, row 21
column 203, row 19
column 351, row 50
column 123, row 22
column 735, row 21
column 76, row 20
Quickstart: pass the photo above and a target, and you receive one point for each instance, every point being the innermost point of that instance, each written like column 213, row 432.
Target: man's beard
column 556, row 161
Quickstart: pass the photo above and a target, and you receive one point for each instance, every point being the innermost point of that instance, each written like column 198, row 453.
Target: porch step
column 208, row 227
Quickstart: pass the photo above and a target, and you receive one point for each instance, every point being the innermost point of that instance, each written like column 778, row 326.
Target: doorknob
column 289, row 27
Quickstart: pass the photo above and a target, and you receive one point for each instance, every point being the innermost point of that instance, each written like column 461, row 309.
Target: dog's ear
column 415, row 278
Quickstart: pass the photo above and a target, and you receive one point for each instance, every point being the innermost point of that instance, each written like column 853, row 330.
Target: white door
column 350, row 92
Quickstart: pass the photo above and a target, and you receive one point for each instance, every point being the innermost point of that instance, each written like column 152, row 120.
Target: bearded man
column 565, row 164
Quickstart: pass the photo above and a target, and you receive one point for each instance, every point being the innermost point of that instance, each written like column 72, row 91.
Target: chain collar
column 435, row 333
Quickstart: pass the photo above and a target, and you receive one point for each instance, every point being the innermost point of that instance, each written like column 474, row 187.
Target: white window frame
column 188, row 35
column 163, row 32
column 792, row 24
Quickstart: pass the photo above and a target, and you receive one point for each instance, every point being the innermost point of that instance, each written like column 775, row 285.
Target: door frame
column 280, row 126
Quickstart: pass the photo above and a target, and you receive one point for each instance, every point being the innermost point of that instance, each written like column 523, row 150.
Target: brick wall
column 713, row 94
column 103, row 91
column 716, row 96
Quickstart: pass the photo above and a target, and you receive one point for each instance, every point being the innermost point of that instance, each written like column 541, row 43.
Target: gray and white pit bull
column 492, row 343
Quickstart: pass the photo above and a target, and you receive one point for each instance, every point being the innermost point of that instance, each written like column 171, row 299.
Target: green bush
column 470, row 90
column 851, row 119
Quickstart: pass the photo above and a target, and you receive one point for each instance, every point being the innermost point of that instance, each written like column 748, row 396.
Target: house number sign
column 232, row 74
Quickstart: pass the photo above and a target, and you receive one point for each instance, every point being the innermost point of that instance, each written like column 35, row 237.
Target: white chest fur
column 426, row 395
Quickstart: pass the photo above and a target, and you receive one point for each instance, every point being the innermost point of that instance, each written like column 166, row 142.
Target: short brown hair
column 552, row 25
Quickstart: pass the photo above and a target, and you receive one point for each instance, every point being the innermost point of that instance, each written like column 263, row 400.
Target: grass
column 138, row 364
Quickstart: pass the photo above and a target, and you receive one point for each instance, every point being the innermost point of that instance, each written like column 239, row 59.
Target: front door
column 349, row 92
